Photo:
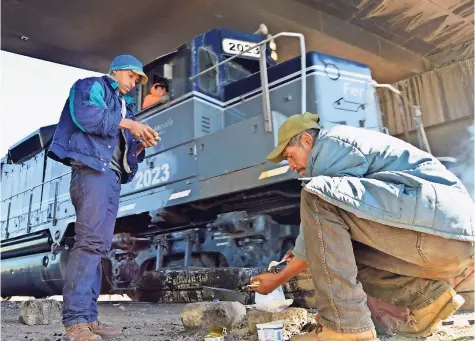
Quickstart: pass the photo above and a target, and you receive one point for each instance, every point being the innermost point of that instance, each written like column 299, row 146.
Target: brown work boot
column 104, row 330
column 80, row 332
column 424, row 321
column 325, row 334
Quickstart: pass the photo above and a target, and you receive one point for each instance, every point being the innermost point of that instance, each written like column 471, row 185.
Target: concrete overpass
column 396, row 38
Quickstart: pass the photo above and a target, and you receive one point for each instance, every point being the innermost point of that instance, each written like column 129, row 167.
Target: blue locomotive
column 205, row 195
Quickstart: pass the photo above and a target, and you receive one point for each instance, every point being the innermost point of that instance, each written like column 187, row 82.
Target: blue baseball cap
column 128, row 62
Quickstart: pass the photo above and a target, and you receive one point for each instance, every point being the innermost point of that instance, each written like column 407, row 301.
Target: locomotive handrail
column 400, row 102
column 387, row 86
column 263, row 73
column 33, row 188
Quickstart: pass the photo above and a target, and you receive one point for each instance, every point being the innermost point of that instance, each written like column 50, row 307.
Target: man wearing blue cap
column 98, row 136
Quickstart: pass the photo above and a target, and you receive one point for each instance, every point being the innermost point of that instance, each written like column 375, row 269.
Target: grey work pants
column 350, row 257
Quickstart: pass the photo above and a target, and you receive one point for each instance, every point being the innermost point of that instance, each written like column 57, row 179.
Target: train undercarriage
column 259, row 226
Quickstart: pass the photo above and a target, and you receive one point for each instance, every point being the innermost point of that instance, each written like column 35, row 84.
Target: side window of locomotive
column 209, row 81
column 155, row 92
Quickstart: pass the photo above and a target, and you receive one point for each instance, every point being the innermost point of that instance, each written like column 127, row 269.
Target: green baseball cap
column 293, row 126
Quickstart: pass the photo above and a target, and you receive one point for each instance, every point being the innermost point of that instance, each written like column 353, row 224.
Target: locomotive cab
column 173, row 70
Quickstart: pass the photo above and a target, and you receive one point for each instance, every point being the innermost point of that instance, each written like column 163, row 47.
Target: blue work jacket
column 88, row 128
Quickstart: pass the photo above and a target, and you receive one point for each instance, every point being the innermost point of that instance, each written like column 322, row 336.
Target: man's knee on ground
column 402, row 291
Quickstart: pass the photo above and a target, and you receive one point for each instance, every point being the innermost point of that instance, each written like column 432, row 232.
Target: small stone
column 122, row 308
column 294, row 319
column 203, row 315
column 40, row 312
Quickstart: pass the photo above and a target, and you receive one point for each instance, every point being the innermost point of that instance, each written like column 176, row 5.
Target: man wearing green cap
column 376, row 212
column 98, row 136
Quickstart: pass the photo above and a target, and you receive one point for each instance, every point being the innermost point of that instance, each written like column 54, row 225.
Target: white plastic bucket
column 270, row 331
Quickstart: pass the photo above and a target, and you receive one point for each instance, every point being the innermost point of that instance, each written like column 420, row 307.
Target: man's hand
column 141, row 131
column 145, row 144
column 148, row 143
column 268, row 282
column 288, row 256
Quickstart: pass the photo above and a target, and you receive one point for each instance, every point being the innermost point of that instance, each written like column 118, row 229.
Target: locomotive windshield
column 240, row 68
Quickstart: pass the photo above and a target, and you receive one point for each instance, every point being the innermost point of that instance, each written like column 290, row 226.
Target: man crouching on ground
column 97, row 136
column 386, row 231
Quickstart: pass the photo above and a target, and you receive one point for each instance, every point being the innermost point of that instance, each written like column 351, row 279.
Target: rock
column 294, row 320
column 40, row 312
column 203, row 315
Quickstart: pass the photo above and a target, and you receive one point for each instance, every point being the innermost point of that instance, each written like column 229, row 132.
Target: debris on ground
column 40, row 312
column 162, row 322
column 294, row 320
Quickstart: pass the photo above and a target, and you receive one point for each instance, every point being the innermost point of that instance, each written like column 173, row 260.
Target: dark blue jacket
column 88, row 129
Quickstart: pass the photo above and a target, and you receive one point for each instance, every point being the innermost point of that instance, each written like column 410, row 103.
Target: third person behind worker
column 158, row 94
column 386, row 232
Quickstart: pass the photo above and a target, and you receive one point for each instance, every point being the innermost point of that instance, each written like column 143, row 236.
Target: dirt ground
column 147, row 322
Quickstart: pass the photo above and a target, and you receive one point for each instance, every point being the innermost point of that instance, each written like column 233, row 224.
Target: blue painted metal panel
column 247, row 144
column 164, row 168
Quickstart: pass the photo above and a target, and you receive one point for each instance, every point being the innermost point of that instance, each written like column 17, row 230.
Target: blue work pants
column 95, row 197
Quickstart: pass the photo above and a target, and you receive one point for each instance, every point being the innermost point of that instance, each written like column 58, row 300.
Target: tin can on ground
column 216, row 334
